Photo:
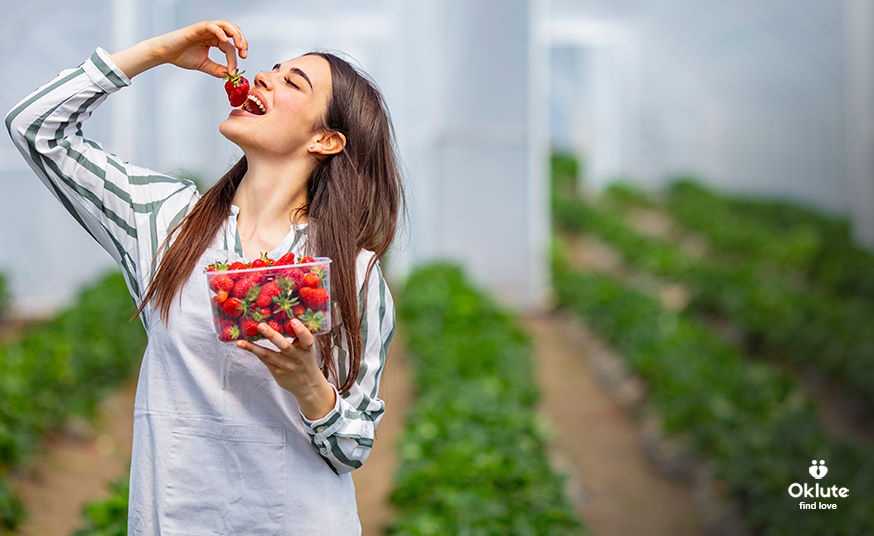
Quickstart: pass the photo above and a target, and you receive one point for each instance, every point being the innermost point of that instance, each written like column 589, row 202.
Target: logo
column 817, row 470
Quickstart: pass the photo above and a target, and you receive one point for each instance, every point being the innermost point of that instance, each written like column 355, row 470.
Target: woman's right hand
column 188, row 48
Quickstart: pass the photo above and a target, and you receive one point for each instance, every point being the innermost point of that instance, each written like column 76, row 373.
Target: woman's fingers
column 234, row 32
column 225, row 46
column 304, row 339
column 290, row 357
column 274, row 336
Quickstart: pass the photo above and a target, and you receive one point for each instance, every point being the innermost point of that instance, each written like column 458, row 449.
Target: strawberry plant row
column 108, row 516
column 64, row 367
column 4, row 295
column 749, row 423
column 778, row 234
column 473, row 455
column 776, row 317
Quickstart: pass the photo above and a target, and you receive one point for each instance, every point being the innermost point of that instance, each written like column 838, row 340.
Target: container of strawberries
column 242, row 295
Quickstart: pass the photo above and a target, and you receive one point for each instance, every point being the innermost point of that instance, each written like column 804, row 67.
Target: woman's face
column 293, row 96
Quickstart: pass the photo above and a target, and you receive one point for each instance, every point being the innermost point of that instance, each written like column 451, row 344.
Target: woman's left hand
column 295, row 368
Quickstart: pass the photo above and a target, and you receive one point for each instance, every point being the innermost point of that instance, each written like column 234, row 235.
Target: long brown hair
column 353, row 202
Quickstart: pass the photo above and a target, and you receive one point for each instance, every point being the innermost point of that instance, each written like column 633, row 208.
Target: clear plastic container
column 241, row 299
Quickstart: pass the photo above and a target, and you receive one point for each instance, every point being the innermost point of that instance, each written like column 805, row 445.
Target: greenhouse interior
column 631, row 278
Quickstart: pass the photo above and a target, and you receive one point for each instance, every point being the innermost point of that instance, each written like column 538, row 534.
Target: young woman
column 239, row 438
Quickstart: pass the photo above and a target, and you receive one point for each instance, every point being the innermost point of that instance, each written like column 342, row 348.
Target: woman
column 239, row 438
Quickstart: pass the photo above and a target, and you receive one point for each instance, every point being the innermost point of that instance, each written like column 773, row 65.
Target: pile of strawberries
column 270, row 291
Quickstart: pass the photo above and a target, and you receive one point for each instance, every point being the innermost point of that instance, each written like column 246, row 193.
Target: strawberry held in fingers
column 237, row 88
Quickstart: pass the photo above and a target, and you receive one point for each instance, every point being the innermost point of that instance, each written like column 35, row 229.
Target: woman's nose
column 262, row 80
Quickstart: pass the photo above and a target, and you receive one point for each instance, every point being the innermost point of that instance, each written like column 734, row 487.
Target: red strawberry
column 314, row 298
column 221, row 296
column 312, row 279
column 288, row 328
column 221, row 282
column 242, row 288
column 288, row 258
column 306, row 260
column 236, row 265
column 249, row 328
column 233, row 307
column 268, row 291
column 230, row 333
column 275, row 326
column 237, row 88
column 295, row 275
column 298, row 310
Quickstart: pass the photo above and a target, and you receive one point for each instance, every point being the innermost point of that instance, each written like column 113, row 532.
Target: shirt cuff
column 320, row 429
column 106, row 74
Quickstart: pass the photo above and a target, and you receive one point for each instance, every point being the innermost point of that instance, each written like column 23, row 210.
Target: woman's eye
column 292, row 83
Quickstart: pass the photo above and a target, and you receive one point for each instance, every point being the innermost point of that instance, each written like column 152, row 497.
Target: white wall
column 747, row 94
column 859, row 22
column 458, row 78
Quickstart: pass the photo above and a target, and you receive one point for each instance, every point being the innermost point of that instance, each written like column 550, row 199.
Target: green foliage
column 5, row 297
column 625, row 193
column 11, row 511
column 776, row 315
column 565, row 173
column 65, row 366
column 107, row 517
column 750, row 423
column 473, row 456
column 779, row 235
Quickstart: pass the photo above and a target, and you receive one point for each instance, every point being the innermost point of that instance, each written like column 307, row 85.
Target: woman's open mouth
column 254, row 106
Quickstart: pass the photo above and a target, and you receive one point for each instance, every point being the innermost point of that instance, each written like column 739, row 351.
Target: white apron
column 218, row 446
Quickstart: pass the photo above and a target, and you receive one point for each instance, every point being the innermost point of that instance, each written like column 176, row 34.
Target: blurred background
column 661, row 209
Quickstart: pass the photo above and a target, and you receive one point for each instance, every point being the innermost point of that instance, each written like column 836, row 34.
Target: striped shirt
column 261, row 466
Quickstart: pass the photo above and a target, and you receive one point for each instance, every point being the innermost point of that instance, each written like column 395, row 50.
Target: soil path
column 616, row 490
column 374, row 480
column 77, row 467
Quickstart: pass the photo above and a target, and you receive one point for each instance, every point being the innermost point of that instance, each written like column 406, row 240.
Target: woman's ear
column 332, row 142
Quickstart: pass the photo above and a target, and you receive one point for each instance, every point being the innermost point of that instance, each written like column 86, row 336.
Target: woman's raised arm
column 187, row 48
column 126, row 208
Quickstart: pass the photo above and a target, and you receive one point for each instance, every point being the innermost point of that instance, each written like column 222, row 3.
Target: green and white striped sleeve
column 127, row 209
column 344, row 437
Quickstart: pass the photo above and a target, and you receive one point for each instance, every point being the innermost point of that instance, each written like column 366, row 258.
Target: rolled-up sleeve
column 344, row 437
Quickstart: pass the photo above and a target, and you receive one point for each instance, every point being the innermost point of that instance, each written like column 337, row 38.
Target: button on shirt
column 218, row 447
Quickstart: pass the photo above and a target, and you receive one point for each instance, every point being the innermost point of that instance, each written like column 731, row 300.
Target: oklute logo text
column 812, row 496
